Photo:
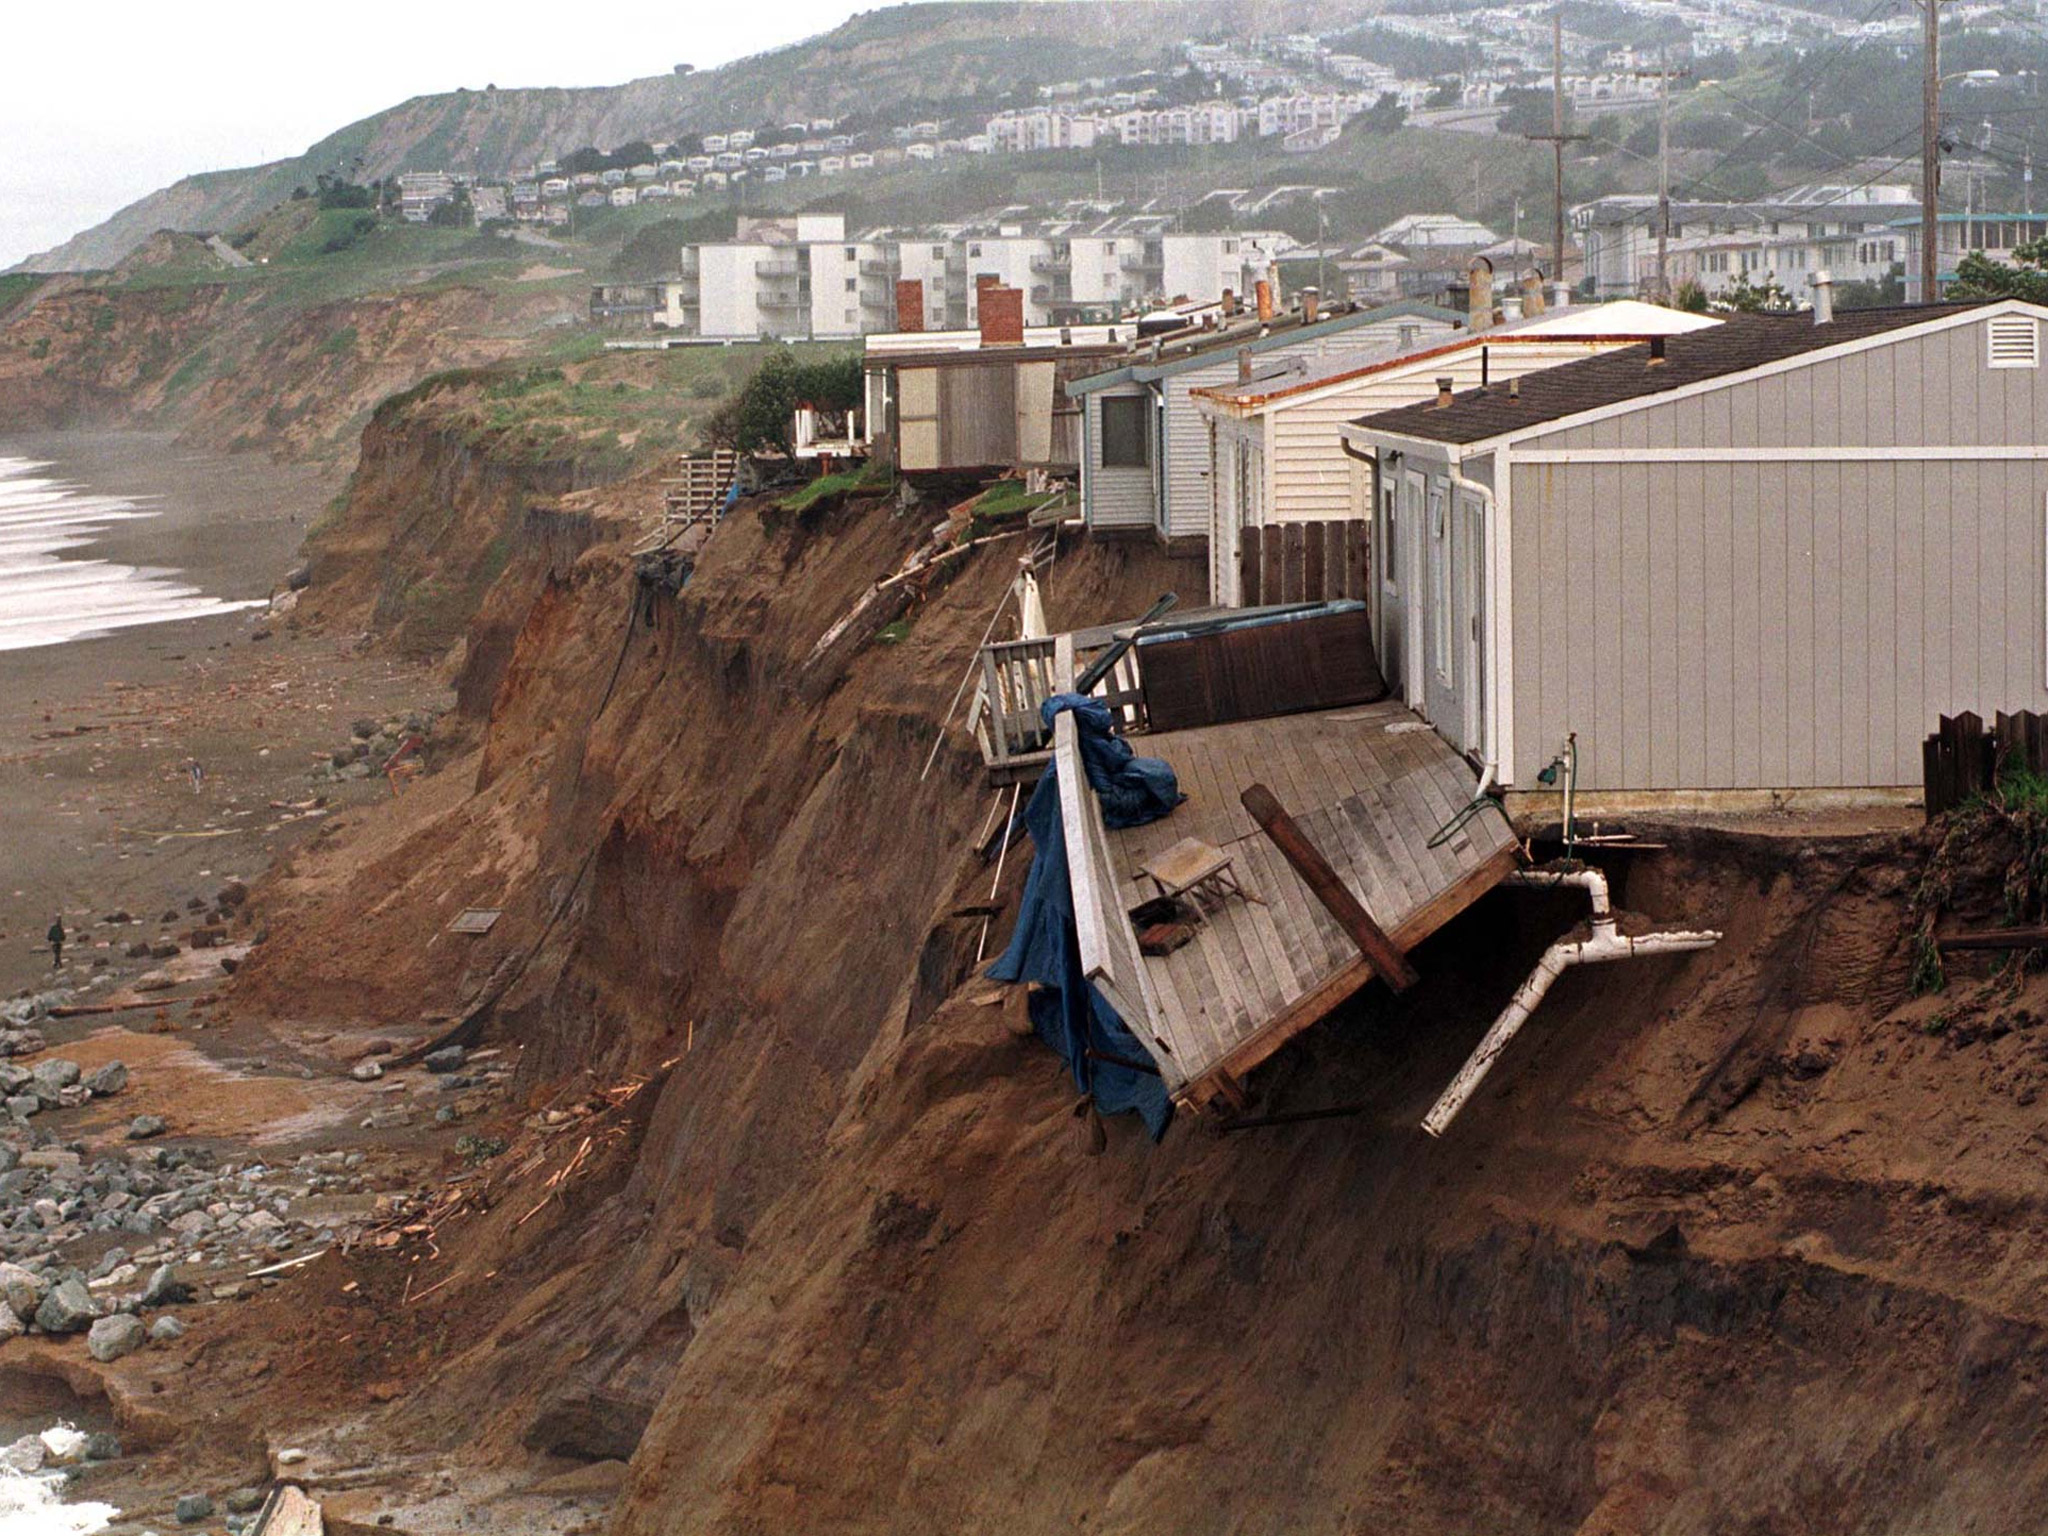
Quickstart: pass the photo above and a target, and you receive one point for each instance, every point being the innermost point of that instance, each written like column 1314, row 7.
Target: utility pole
column 1663, row 178
column 1557, row 138
column 1930, row 156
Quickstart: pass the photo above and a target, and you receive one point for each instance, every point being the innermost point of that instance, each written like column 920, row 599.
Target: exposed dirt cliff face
column 1749, row 1240
column 232, row 369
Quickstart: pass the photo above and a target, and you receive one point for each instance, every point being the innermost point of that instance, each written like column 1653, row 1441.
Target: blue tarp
column 1070, row 1015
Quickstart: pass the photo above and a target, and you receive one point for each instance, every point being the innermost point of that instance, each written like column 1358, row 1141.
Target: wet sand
column 98, row 812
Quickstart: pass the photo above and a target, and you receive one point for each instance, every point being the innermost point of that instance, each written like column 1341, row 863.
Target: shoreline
column 98, row 812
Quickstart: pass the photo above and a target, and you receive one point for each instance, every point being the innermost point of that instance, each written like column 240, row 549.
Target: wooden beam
column 1990, row 938
column 1329, row 887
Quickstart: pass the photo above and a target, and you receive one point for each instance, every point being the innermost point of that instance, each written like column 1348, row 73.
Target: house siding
column 1784, row 624
column 1120, row 497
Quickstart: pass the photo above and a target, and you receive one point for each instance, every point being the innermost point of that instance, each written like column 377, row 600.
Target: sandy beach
column 98, row 810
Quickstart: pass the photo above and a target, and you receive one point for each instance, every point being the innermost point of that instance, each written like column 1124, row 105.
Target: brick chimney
column 910, row 304
column 1479, row 294
column 1443, row 394
column 1264, row 290
column 1002, row 316
column 1311, row 304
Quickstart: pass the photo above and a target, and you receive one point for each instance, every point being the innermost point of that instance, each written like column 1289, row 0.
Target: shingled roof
column 1744, row 342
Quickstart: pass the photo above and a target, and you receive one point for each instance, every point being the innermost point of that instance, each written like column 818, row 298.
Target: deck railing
column 1109, row 952
column 1017, row 676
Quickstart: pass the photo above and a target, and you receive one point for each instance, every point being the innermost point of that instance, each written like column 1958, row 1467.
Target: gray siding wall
column 1784, row 624
column 1766, row 626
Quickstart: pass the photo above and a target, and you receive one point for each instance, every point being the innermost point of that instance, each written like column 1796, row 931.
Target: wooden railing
column 1017, row 676
column 1109, row 953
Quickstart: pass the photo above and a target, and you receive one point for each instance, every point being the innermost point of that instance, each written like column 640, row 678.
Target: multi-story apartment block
column 421, row 192
column 802, row 276
column 1788, row 237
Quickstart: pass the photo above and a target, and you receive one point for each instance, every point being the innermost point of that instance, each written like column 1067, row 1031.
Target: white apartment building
column 1788, row 236
column 801, row 276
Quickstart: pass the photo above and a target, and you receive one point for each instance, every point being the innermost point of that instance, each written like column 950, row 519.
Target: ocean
column 53, row 589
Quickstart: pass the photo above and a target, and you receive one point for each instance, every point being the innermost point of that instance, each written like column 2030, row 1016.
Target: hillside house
column 1279, row 473
column 1146, row 464
column 997, row 397
column 1763, row 557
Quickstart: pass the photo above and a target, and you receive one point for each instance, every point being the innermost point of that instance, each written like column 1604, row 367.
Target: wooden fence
column 1962, row 759
column 1303, row 562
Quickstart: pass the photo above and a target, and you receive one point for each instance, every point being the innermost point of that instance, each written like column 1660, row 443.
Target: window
column 1126, row 442
column 853, row 285
column 2012, row 341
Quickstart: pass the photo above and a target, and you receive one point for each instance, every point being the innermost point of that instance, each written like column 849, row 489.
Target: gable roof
column 1217, row 346
column 1742, row 343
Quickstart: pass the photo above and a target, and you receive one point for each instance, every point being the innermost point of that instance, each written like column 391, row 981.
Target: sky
column 104, row 102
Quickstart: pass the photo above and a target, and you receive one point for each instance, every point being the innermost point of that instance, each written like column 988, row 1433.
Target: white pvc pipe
column 1606, row 943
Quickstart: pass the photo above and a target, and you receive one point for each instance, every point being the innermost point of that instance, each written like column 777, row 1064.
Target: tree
column 764, row 413
column 1887, row 290
column 1690, row 297
column 1385, row 115
column 1746, row 298
column 1528, row 112
column 2024, row 277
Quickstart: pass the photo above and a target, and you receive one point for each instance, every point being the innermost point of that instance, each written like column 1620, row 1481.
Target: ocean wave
column 50, row 597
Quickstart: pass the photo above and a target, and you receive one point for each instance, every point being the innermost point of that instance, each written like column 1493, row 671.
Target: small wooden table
column 1201, row 872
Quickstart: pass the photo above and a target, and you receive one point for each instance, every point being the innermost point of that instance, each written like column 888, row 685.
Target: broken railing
column 1018, row 676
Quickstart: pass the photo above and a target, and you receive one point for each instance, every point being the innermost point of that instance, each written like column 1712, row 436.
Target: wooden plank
column 1268, row 980
column 1248, row 568
column 1318, row 1003
column 1329, row 889
column 1081, row 870
column 1272, row 555
column 1292, row 564
column 1314, row 578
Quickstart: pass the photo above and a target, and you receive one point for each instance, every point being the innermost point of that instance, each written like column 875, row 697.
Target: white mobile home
column 1145, row 459
column 1277, row 460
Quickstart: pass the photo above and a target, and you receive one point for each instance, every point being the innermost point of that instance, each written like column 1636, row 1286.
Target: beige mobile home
column 1759, row 558
column 1279, row 475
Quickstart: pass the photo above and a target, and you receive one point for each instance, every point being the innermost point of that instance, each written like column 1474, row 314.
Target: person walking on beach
column 198, row 773
column 56, row 937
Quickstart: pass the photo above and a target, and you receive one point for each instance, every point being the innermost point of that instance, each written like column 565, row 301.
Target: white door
column 1441, row 651
column 1471, row 586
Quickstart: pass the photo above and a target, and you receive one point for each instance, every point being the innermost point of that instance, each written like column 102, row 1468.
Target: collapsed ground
column 770, row 1220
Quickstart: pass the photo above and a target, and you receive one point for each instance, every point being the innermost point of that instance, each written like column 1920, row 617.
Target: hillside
column 903, row 55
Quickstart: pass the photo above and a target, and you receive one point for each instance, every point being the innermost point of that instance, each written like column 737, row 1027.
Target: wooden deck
column 1370, row 787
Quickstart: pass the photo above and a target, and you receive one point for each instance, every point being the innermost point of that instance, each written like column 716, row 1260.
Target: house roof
column 1283, row 330
column 1739, row 344
column 1621, row 320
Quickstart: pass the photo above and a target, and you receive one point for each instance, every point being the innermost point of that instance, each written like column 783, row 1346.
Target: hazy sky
column 100, row 103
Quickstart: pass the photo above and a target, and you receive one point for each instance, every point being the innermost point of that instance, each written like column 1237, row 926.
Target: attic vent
column 2013, row 341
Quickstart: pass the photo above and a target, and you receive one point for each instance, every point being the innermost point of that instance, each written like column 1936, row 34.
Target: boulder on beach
column 108, row 1080
column 142, row 1127
column 21, row 1289
column 112, row 1337
column 68, row 1308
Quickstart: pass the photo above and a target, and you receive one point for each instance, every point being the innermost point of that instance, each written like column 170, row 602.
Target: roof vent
column 1515, row 388
column 1656, row 352
column 2012, row 341
column 1443, row 393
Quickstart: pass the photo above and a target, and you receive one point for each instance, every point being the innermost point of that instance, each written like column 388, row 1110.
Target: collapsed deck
column 1383, row 799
